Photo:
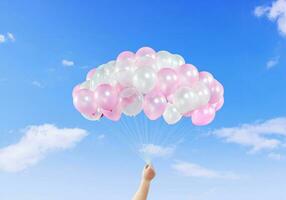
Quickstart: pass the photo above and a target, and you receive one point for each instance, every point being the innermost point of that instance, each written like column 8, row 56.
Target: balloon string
column 122, row 131
column 137, row 132
column 130, row 135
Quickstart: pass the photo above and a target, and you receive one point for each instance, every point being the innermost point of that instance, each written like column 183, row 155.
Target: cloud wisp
column 275, row 13
column 67, row 63
column 36, row 144
column 266, row 135
column 37, row 84
column 272, row 62
column 275, row 156
column 152, row 150
column 101, row 137
column 8, row 37
column 194, row 170
column 2, row 38
column 11, row 37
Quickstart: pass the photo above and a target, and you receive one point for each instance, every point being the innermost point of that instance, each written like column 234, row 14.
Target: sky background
column 47, row 47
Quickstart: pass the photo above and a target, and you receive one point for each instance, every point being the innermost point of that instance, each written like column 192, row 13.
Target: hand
column 148, row 173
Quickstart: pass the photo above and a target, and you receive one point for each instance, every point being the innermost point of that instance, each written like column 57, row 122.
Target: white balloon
column 99, row 72
column 163, row 59
column 177, row 60
column 128, row 64
column 124, row 77
column 124, row 72
column 185, row 99
column 109, row 68
column 100, row 77
column 94, row 116
column 144, row 79
column 112, row 62
column 203, row 92
column 135, row 106
column 86, row 85
column 100, row 67
column 91, row 118
column 146, row 61
column 171, row 114
column 109, row 73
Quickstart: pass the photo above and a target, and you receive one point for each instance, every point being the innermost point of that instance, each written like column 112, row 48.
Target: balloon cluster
column 159, row 83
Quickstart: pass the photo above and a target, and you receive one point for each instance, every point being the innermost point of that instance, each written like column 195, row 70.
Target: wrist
column 145, row 182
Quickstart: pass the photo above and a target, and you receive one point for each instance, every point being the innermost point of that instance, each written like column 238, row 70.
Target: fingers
column 148, row 166
column 148, row 173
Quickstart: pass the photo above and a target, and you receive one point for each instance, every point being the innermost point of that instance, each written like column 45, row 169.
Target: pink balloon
column 189, row 74
column 128, row 96
column 84, row 102
column 217, row 91
column 154, row 105
column 203, row 116
column 106, row 96
column 146, row 51
column 218, row 105
column 113, row 115
column 75, row 90
column 90, row 74
column 170, row 98
column 145, row 57
column 119, row 87
column 206, row 77
column 125, row 56
column 167, row 81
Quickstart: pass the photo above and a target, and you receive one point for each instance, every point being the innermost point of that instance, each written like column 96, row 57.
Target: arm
column 147, row 176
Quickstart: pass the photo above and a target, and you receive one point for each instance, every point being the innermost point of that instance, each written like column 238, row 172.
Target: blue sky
column 242, row 43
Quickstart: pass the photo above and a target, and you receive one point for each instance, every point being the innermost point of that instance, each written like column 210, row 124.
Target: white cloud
column 37, row 142
column 151, row 150
column 194, row 170
column 101, row 137
column 259, row 11
column 37, row 84
column 265, row 135
column 272, row 62
column 67, row 63
column 2, row 38
column 11, row 37
column 275, row 156
column 276, row 13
